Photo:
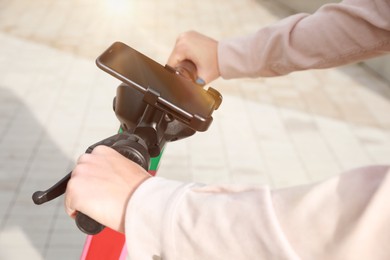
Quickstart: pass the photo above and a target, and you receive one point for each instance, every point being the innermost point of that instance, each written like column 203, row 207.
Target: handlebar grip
column 187, row 69
column 133, row 149
column 87, row 224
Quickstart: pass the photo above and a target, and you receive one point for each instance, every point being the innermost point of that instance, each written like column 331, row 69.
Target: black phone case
column 161, row 86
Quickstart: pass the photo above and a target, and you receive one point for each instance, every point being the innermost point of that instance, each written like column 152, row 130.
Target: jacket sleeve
column 346, row 217
column 336, row 34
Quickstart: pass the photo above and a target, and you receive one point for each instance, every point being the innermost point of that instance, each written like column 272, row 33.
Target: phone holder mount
column 145, row 129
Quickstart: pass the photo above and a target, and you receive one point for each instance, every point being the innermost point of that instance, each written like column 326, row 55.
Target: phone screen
column 176, row 95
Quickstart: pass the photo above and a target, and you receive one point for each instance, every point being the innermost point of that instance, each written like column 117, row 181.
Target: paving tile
column 316, row 155
column 344, row 145
column 12, row 240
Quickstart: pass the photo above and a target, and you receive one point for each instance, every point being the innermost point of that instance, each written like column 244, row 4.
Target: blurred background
column 54, row 103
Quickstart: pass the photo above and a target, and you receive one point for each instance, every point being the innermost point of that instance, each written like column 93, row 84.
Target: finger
column 84, row 158
column 102, row 150
column 175, row 58
column 181, row 51
column 204, row 77
column 69, row 208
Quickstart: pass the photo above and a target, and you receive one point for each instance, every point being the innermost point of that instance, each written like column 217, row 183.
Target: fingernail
column 200, row 81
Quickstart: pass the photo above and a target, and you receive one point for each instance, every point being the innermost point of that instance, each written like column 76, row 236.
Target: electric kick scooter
column 155, row 104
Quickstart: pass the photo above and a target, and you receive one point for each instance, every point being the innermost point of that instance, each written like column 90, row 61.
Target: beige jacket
column 344, row 218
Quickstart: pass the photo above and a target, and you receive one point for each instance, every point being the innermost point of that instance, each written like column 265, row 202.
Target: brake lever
column 126, row 144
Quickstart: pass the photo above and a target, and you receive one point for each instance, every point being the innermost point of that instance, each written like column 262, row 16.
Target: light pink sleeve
column 346, row 217
column 336, row 34
column 174, row 220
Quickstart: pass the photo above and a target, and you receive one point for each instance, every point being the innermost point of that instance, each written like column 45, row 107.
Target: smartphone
column 161, row 87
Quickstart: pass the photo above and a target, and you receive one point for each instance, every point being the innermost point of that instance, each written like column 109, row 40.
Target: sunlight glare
column 117, row 6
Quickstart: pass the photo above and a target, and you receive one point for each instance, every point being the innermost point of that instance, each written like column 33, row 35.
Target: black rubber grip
column 87, row 224
column 133, row 150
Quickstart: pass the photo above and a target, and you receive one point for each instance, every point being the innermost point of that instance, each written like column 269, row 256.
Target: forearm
column 346, row 217
column 335, row 35
column 192, row 221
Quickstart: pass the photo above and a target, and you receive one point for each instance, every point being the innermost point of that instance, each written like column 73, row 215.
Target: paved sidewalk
column 54, row 102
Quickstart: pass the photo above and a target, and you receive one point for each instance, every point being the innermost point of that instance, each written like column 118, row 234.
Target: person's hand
column 101, row 185
column 199, row 49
